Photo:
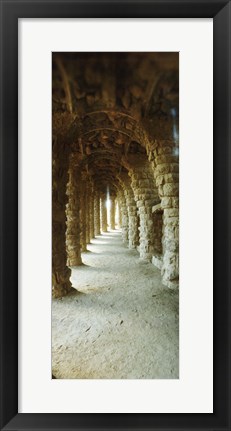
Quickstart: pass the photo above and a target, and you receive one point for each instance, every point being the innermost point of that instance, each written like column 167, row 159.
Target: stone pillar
column 157, row 259
column 133, row 232
column 83, row 214
column 167, row 180
column 124, row 215
column 83, row 219
column 61, row 284
column 88, row 210
column 112, row 213
column 91, row 212
column 97, row 213
column 103, row 211
column 73, row 219
column 145, row 197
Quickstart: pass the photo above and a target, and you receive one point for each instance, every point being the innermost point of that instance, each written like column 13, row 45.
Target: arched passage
column 112, row 131
column 115, row 137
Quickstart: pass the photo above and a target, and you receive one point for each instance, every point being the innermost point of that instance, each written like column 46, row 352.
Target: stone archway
column 115, row 132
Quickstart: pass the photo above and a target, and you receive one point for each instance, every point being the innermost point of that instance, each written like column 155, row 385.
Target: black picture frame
column 11, row 11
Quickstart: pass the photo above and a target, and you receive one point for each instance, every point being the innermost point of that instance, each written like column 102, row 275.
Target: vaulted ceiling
column 108, row 106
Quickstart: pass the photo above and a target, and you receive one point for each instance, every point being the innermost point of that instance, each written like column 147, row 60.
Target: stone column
column 88, row 209
column 103, row 211
column 73, row 219
column 124, row 215
column 97, row 213
column 133, row 232
column 91, row 211
column 61, row 284
column 157, row 259
column 145, row 197
column 83, row 213
column 112, row 213
column 167, row 180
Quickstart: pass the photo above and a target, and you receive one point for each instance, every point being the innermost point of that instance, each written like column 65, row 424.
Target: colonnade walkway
column 120, row 323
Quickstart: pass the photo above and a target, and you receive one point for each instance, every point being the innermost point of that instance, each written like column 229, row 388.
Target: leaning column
column 73, row 219
column 61, row 284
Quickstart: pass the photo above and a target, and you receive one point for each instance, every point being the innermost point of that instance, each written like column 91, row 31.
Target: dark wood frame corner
column 11, row 11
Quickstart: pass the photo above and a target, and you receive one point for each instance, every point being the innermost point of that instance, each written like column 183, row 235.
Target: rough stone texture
column 103, row 212
column 166, row 162
column 117, row 113
column 124, row 215
column 157, row 261
column 158, row 223
column 73, row 219
column 145, row 197
column 112, row 213
column 91, row 211
column 97, row 213
column 61, row 284
column 83, row 213
column 133, row 222
column 88, row 211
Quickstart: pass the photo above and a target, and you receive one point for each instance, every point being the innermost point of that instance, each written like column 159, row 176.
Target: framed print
column 115, row 296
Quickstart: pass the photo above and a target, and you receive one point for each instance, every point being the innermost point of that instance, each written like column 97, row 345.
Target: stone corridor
column 115, row 164
column 120, row 323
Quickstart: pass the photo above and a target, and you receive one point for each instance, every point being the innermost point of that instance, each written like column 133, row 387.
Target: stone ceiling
column 109, row 107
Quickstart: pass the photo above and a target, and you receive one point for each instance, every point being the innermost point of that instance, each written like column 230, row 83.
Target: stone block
column 171, row 178
column 170, row 189
column 169, row 232
column 171, row 212
column 171, row 245
column 166, row 202
column 160, row 180
column 161, row 191
column 171, row 221
column 162, row 168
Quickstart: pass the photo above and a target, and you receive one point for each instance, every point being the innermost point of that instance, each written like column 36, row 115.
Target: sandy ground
column 122, row 323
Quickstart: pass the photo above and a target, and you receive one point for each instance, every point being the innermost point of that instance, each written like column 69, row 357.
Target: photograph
column 115, row 215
